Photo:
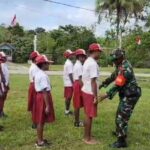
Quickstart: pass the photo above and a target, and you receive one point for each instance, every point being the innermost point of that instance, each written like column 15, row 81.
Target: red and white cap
column 42, row 59
column 34, row 54
column 80, row 52
column 68, row 53
column 95, row 47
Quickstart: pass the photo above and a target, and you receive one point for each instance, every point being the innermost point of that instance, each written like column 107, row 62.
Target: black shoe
column 34, row 126
column 114, row 133
column 71, row 113
column 3, row 115
column 47, row 142
column 119, row 145
column 44, row 144
column 1, row 128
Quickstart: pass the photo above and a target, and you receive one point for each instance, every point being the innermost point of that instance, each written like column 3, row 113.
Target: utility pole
column 120, row 39
column 35, row 42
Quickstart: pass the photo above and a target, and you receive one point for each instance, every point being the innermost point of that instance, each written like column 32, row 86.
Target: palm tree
column 118, row 11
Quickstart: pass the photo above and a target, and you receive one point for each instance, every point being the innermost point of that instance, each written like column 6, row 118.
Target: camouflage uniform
column 129, row 95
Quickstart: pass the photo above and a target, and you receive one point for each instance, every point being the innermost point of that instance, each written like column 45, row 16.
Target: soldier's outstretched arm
column 109, row 80
column 125, row 73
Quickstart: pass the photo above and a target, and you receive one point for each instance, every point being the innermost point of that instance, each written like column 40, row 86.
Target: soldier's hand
column 102, row 97
column 95, row 100
column 100, row 86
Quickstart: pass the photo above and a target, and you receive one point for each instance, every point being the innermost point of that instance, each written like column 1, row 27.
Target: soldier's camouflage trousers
column 123, row 115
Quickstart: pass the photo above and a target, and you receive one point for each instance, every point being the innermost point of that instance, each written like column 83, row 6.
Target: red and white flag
column 14, row 21
column 138, row 40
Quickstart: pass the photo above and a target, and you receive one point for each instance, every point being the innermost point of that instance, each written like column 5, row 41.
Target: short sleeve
column 44, row 83
column 70, row 69
column 93, row 70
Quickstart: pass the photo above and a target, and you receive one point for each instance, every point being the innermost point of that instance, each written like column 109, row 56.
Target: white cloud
column 42, row 14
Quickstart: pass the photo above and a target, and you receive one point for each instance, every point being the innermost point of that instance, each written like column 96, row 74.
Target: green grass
column 107, row 69
column 18, row 134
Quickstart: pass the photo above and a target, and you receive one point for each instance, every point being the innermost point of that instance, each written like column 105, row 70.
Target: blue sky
column 38, row 13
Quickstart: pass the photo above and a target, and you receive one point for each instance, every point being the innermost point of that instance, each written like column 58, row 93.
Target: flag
column 13, row 22
column 138, row 40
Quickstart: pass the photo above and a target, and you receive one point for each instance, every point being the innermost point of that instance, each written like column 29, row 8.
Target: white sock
column 67, row 111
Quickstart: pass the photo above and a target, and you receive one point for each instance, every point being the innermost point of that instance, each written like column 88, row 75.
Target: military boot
column 120, row 143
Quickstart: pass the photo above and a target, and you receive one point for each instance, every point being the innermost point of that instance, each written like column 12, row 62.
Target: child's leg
column 1, row 106
column 87, row 128
column 77, row 113
column 40, row 132
column 67, row 103
column 87, row 131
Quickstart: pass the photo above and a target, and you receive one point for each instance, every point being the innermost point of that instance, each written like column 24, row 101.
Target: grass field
column 107, row 69
column 18, row 134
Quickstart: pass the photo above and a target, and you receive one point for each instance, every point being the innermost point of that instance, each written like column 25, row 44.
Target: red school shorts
column 31, row 96
column 89, row 108
column 68, row 93
column 39, row 116
column 77, row 95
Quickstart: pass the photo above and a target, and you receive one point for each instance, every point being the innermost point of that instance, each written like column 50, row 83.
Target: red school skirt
column 89, row 108
column 39, row 116
column 31, row 96
column 2, row 101
column 77, row 95
column 68, row 93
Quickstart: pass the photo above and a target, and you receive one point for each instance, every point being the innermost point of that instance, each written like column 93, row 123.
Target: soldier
column 129, row 94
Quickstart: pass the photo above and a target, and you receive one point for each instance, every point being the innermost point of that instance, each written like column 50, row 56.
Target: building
column 8, row 49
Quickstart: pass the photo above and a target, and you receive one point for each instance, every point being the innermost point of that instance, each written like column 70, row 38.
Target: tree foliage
column 120, row 11
column 52, row 43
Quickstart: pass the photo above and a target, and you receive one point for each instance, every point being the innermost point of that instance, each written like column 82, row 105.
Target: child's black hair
column 91, row 52
column 40, row 65
column 33, row 59
column 77, row 57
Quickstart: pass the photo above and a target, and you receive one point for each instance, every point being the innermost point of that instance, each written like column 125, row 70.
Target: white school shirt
column 77, row 70
column 68, row 69
column 90, row 70
column 41, row 81
column 32, row 72
column 5, row 73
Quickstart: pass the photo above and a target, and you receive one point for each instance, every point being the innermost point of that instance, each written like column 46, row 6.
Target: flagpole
column 35, row 42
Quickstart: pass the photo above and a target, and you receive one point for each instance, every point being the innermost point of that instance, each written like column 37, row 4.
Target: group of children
column 80, row 82
column 4, row 84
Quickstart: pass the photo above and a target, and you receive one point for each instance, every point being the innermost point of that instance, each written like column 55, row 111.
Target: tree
column 70, row 37
column 45, row 43
column 139, row 55
column 147, row 24
column 24, row 47
column 39, row 30
column 16, row 30
column 119, row 11
column 5, row 35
